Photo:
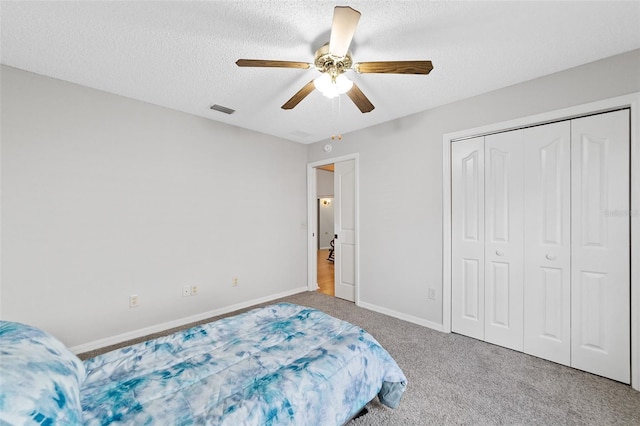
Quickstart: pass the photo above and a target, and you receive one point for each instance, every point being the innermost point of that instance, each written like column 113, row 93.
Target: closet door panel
column 547, row 242
column 504, row 239
column 467, row 237
column 600, row 245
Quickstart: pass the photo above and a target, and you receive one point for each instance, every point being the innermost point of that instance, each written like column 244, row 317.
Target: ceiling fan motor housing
column 333, row 65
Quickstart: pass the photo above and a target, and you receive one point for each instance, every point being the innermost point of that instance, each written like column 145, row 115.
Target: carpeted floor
column 454, row 379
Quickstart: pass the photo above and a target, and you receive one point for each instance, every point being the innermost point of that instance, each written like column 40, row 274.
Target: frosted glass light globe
column 328, row 88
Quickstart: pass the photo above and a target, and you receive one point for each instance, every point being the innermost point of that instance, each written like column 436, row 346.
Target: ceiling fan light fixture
column 331, row 87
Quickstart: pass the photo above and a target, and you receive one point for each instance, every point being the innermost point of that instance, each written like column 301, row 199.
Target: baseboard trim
column 400, row 315
column 108, row 341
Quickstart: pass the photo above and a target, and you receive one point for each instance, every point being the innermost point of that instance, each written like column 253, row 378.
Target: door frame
column 312, row 221
column 631, row 101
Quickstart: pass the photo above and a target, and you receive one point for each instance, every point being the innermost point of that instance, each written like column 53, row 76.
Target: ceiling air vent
column 224, row 109
column 300, row 134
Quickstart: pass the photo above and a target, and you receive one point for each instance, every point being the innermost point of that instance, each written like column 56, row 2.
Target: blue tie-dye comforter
column 283, row 364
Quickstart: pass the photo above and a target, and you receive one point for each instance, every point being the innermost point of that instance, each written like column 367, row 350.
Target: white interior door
column 344, row 181
column 547, row 247
column 503, row 256
column 600, row 245
column 467, row 237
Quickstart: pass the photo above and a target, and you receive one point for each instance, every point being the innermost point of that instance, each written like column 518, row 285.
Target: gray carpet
column 454, row 379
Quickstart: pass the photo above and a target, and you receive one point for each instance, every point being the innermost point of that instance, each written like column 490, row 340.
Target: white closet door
column 547, row 242
column 503, row 284
column 600, row 245
column 467, row 237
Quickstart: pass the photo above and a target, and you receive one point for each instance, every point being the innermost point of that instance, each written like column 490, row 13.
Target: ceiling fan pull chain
column 339, row 115
column 333, row 117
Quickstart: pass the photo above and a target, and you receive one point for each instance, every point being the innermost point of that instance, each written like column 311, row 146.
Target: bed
column 277, row 365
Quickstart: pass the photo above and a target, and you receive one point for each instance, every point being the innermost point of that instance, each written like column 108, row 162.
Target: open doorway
column 345, row 233
column 325, row 229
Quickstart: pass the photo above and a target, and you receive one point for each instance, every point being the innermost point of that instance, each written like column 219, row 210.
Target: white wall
column 324, row 183
column 104, row 196
column 401, row 177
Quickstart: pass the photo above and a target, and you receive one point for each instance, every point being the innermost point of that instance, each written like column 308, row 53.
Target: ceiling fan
column 334, row 59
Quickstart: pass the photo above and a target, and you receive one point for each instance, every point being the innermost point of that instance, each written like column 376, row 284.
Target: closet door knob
column 499, row 253
column 550, row 257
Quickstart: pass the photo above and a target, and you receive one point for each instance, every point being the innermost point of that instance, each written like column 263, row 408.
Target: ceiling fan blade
column 300, row 95
column 271, row 64
column 394, row 67
column 345, row 21
column 362, row 102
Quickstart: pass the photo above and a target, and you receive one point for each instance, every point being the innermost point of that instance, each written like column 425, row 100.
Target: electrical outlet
column 133, row 301
column 194, row 290
column 432, row 294
column 186, row 291
column 235, row 281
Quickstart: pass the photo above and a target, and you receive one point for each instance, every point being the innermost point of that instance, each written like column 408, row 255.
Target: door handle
column 550, row 257
column 499, row 253
column 335, row 236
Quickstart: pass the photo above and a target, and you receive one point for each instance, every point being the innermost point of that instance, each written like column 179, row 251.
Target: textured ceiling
column 181, row 54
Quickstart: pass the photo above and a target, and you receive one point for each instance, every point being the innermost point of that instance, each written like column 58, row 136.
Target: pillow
column 39, row 378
